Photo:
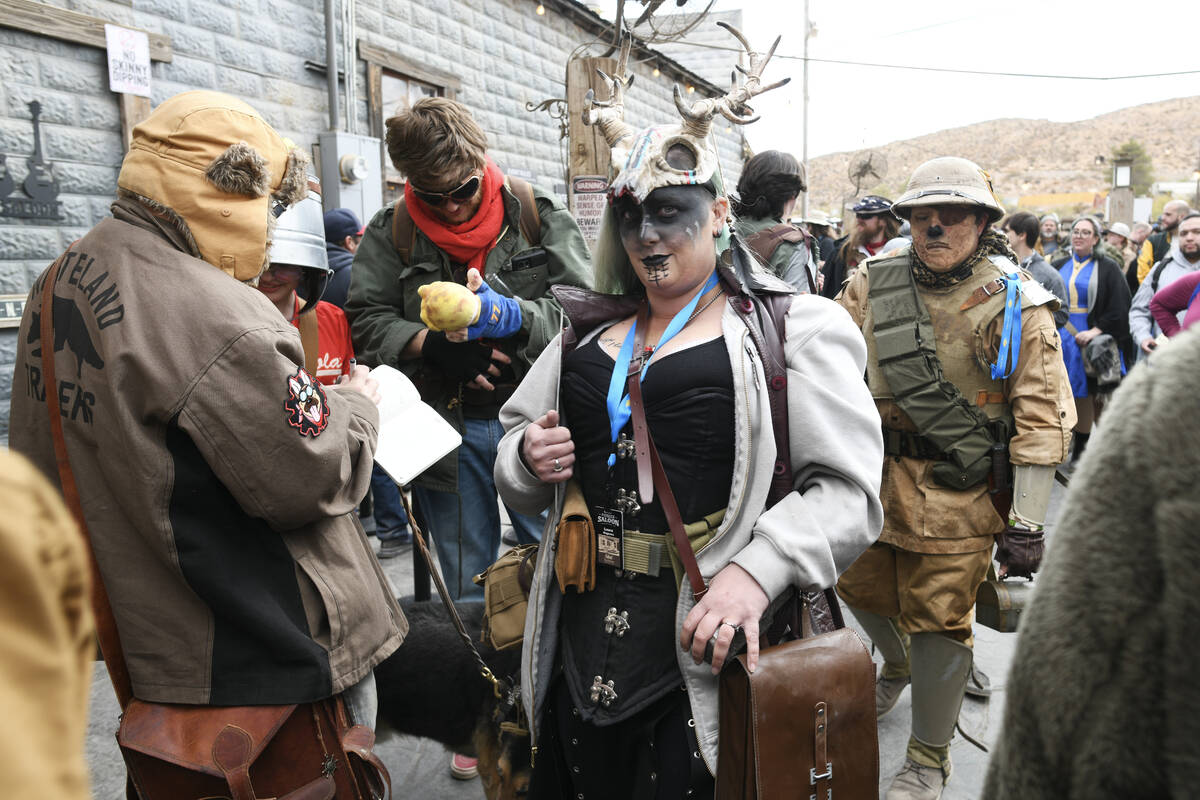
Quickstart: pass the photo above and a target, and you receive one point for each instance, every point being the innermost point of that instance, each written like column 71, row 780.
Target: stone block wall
column 504, row 54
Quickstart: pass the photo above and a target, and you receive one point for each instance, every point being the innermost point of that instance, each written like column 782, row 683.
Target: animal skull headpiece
column 639, row 159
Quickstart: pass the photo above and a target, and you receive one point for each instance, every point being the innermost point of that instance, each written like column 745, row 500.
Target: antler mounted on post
column 734, row 106
column 609, row 115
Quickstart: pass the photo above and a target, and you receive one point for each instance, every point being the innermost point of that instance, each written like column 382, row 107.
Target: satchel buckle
column 827, row 775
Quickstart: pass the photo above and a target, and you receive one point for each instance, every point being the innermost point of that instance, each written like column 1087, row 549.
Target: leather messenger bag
column 308, row 751
column 803, row 724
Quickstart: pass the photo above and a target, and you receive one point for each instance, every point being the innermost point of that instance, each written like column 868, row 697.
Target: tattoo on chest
column 610, row 342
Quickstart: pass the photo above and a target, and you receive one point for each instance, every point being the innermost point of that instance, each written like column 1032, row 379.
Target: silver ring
column 736, row 628
column 557, row 466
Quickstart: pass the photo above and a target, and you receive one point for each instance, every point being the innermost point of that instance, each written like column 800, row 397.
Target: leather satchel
column 296, row 752
column 308, row 751
column 802, row 724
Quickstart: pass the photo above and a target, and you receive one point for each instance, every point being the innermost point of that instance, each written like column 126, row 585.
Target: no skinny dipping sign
column 128, row 60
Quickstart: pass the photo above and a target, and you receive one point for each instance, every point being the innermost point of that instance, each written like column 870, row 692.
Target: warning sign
column 590, row 197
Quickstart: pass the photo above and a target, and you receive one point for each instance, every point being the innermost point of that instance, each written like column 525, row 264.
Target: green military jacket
column 384, row 308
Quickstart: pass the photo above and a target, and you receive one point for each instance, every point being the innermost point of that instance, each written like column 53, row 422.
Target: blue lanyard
column 619, row 411
column 1010, row 334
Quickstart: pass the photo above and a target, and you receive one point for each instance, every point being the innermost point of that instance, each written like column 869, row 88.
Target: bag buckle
column 827, row 775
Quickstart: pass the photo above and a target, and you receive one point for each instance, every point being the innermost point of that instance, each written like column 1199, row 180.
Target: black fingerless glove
column 1020, row 551
column 461, row 361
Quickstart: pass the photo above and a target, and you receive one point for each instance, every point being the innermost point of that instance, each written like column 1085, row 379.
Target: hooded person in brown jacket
column 218, row 479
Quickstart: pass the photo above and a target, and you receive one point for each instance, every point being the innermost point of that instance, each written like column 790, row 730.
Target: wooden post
column 134, row 109
column 589, row 154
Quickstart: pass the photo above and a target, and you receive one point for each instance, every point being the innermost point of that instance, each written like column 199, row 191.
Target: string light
column 690, row 88
column 541, row 10
column 657, row 71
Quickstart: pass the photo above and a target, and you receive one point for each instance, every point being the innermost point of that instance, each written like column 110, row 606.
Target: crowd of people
column 939, row 362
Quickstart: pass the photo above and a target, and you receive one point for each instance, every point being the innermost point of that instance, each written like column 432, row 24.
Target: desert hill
column 1029, row 157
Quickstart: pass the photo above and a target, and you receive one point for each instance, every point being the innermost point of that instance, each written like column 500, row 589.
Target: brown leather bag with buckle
column 804, row 722
column 308, row 751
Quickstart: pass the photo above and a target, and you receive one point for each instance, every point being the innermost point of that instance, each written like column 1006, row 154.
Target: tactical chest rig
column 960, row 412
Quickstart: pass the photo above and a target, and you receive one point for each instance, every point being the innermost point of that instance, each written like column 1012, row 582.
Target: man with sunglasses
column 460, row 212
column 987, row 388
column 872, row 228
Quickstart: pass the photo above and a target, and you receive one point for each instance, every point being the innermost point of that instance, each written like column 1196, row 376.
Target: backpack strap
column 531, row 221
column 404, row 231
column 309, row 340
column 1156, row 274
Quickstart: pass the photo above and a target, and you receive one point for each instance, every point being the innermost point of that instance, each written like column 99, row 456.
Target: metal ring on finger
column 735, row 627
column 557, row 466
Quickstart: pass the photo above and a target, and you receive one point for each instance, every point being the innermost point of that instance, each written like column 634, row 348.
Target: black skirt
column 652, row 755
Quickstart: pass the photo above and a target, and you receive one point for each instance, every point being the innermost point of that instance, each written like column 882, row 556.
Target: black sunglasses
column 460, row 194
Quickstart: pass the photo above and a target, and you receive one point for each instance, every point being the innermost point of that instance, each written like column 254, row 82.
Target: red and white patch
column 308, row 410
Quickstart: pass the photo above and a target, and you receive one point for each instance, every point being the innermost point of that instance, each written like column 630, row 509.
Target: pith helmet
column 949, row 181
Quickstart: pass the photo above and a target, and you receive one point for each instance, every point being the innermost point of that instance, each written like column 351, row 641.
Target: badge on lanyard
column 610, row 529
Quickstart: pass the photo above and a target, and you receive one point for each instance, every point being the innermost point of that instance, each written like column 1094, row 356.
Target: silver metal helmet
column 949, row 181
column 299, row 239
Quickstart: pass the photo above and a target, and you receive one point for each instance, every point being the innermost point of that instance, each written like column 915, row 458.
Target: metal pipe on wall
column 331, row 61
column 349, row 37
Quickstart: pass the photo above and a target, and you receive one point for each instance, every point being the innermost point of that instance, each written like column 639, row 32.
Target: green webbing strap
column 907, row 351
column 643, row 552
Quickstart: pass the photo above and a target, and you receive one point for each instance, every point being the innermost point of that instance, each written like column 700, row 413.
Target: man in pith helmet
column 963, row 362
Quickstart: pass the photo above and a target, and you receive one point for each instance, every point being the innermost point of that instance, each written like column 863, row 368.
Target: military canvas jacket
column 384, row 308
column 921, row 515
column 219, row 481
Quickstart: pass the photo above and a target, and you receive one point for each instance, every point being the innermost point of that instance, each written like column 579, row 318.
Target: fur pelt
column 240, row 170
column 166, row 213
column 432, row 687
column 1103, row 698
column 294, row 186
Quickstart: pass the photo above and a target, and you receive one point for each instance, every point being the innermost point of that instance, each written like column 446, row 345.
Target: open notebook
column 412, row 437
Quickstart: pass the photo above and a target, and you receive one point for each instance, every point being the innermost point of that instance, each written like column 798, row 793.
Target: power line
column 911, row 67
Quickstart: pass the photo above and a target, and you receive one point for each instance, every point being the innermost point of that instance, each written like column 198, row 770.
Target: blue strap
column 619, row 411
column 1010, row 334
column 1192, row 299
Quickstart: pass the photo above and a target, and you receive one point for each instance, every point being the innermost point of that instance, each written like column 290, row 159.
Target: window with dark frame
column 394, row 83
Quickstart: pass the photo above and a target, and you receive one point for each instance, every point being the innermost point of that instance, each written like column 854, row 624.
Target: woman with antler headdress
column 651, row 416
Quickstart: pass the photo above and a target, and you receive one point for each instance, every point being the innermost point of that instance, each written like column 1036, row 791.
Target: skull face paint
column 668, row 238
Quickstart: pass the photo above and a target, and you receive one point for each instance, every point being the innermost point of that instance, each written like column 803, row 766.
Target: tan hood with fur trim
column 214, row 162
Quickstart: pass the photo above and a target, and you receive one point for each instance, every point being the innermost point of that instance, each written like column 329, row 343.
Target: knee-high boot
column 940, row 667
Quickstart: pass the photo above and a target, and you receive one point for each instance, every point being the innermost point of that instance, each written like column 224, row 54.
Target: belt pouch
column 575, row 543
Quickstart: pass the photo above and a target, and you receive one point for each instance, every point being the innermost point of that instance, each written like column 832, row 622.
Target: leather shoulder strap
column 531, row 221
column 404, row 230
column 106, row 626
column 310, row 339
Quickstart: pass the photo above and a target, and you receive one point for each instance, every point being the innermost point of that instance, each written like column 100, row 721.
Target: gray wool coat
column 1103, row 699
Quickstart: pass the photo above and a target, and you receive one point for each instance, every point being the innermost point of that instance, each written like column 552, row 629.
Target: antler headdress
column 639, row 159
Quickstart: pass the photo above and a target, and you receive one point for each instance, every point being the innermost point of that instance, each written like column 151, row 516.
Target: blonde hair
column 434, row 140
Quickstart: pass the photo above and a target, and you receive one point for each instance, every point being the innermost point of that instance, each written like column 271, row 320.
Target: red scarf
column 470, row 242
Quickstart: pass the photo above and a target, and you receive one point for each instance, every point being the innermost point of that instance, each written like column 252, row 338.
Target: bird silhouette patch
column 308, row 411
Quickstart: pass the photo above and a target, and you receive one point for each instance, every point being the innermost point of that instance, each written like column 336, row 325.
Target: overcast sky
column 852, row 107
